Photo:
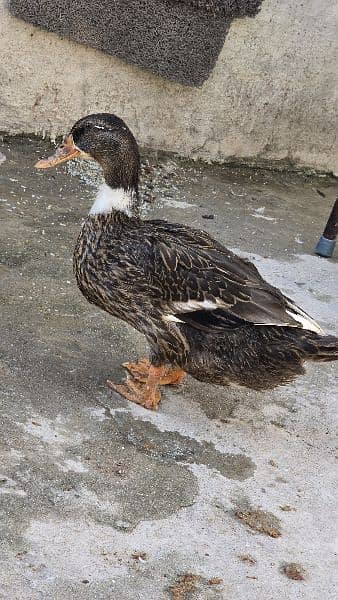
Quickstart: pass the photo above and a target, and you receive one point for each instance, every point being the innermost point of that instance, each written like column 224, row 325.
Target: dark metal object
column 327, row 241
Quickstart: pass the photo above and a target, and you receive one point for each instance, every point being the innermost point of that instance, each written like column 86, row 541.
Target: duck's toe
column 140, row 393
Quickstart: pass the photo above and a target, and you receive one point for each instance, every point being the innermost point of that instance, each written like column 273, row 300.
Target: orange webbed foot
column 143, row 380
column 141, row 369
column 140, row 393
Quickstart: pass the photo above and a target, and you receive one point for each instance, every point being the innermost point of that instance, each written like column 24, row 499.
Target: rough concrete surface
column 271, row 97
column 220, row 493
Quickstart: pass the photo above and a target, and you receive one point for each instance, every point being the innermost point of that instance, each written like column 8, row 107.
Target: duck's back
column 196, row 274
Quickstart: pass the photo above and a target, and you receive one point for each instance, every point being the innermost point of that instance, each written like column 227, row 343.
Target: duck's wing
column 199, row 281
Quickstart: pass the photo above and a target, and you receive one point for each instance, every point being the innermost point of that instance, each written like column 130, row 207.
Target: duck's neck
column 109, row 199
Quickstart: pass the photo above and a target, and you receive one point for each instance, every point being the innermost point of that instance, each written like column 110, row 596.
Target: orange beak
column 67, row 151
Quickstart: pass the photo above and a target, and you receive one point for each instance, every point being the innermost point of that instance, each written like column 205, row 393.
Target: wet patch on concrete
column 217, row 402
column 79, row 476
column 172, row 446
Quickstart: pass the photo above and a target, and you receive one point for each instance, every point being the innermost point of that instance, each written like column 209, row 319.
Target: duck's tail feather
column 320, row 347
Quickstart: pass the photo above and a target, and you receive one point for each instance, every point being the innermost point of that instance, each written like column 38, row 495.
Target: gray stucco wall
column 272, row 95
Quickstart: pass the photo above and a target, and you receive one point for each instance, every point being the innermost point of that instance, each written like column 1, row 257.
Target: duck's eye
column 79, row 132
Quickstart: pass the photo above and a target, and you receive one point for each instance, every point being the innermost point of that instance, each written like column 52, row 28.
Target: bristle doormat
column 177, row 39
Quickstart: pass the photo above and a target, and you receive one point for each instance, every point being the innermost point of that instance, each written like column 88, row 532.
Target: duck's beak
column 67, row 151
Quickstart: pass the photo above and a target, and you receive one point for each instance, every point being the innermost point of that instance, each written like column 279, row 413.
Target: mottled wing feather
column 189, row 268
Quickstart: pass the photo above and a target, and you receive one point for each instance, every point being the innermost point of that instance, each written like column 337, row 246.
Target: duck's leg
column 140, row 372
column 147, row 394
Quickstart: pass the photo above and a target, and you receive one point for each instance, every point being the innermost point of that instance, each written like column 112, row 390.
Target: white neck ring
column 109, row 199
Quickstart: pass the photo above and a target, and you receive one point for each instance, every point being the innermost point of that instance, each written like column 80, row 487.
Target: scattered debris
column 277, row 424
column 247, row 558
column 149, row 446
column 281, row 480
column 287, row 508
column 123, row 525
column 272, row 463
column 140, row 556
column 261, row 521
column 320, row 193
column 294, row 571
column 258, row 213
column 120, row 472
column 251, row 577
column 236, row 195
column 185, row 585
column 215, row 581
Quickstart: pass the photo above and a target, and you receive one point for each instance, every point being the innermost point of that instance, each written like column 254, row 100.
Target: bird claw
column 143, row 379
column 138, row 392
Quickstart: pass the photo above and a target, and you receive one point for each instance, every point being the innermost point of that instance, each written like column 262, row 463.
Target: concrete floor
column 102, row 499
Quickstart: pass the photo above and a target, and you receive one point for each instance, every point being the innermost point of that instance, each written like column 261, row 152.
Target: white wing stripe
column 192, row 305
column 296, row 313
column 301, row 317
column 171, row 319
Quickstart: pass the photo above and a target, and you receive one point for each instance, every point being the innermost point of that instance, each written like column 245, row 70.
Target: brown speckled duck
column 203, row 310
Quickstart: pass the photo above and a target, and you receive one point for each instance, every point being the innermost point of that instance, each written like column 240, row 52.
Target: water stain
column 174, row 447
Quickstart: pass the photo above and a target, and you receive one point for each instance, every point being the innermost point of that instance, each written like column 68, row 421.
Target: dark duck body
column 203, row 310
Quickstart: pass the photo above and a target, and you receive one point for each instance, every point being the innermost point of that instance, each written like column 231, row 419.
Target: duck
column 203, row 310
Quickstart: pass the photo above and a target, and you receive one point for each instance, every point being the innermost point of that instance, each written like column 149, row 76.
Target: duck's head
column 105, row 138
